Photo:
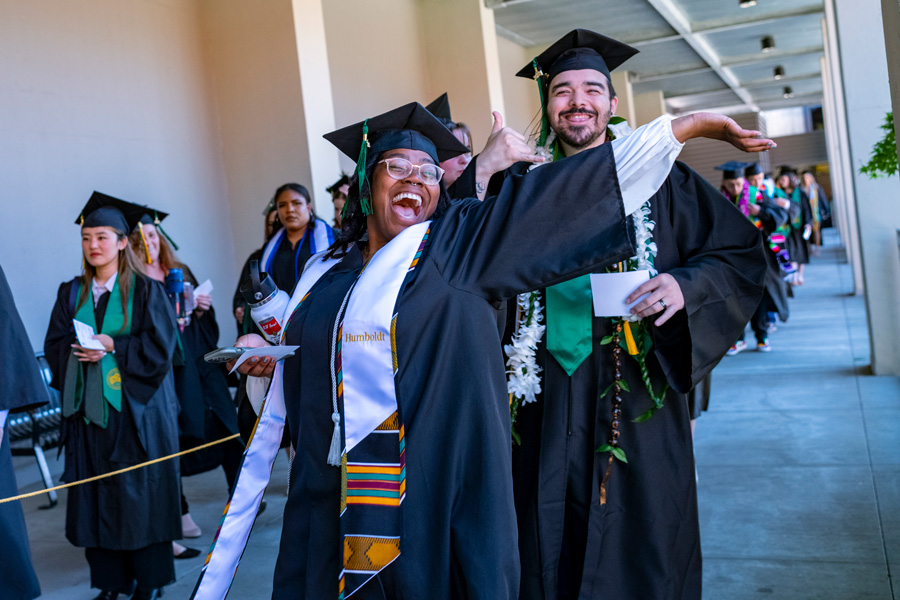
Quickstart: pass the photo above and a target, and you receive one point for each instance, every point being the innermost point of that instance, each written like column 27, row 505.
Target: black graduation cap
column 579, row 49
column 102, row 210
column 344, row 180
column 733, row 169
column 408, row 126
column 440, row 108
column 753, row 169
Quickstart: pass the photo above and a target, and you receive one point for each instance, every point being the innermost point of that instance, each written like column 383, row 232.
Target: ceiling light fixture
column 747, row 3
column 788, row 92
column 767, row 43
column 779, row 72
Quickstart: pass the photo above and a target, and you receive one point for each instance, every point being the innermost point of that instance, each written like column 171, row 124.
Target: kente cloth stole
column 569, row 322
column 366, row 400
column 321, row 239
column 373, row 462
column 97, row 385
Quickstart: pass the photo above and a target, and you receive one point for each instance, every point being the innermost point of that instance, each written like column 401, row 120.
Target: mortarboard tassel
column 144, row 242
column 364, row 201
column 545, row 122
column 163, row 231
column 83, row 259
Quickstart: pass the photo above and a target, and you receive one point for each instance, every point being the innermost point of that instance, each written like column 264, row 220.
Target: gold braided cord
column 119, row 472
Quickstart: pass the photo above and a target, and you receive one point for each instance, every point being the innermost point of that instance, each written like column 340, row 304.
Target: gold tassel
column 144, row 241
column 605, row 479
column 629, row 340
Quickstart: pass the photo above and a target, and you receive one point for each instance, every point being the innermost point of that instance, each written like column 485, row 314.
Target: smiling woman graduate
column 401, row 485
column 119, row 408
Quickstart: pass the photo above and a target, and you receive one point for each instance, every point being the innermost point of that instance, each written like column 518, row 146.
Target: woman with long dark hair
column 119, row 408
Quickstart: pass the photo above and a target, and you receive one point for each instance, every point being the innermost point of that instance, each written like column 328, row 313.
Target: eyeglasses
column 399, row 168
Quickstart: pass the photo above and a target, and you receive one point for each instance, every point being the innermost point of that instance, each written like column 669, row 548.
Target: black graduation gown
column 288, row 263
column 140, row 507
column 645, row 541
column 459, row 531
column 207, row 410
column 21, row 388
column 798, row 248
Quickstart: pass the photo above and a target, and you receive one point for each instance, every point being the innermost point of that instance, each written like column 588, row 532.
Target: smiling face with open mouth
column 579, row 107
column 400, row 203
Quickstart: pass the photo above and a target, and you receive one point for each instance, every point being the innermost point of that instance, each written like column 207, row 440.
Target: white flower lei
column 523, row 375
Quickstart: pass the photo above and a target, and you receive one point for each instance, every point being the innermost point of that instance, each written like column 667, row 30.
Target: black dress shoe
column 186, row 553
column 144, row 594
column 106, row 595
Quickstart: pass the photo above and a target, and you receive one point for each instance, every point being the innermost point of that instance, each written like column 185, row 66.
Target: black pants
column 118, row 570
column 760, row 320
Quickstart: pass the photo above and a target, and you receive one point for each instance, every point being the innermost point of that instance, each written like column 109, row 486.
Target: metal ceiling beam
column 776, row 55
column 697, row 97
column 731, row 109
column 768, row 20
column 676, row 18
column 741, row 61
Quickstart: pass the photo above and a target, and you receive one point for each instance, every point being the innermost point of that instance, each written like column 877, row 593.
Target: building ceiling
column 701, row 54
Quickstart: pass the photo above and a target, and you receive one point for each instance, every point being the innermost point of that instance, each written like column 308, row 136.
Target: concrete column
column 846, row 195
column 890, row 12
column 269, row 75
column 836, row 171
column 318, row 102
column 864, row 70
column 463, row 59
column 648, row 106
column 621, row 80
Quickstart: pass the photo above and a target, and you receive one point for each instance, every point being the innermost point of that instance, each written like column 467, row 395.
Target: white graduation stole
column 369, row 394
column 322, row 238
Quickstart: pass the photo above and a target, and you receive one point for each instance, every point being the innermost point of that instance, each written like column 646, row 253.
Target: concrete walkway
column 799, row 473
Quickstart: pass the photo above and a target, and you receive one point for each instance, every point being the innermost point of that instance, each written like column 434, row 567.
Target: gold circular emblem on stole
column 114, row 379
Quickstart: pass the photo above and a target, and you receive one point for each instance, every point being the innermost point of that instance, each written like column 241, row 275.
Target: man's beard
column 582, row 136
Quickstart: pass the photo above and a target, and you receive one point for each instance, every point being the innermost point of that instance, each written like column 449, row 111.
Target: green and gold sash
column 97, row 385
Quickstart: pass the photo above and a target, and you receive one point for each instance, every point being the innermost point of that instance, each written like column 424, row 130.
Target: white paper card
column 609, row 291
column 276, row 352
column 85, row 335
column 204, row 288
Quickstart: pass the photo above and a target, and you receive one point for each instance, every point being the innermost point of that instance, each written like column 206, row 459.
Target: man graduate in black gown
column 21, row 389
column 590, row 524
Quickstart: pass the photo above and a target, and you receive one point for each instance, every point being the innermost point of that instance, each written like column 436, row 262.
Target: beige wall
column 113, row 96
column 254, row 76
column 374, row 66
column 520, row 95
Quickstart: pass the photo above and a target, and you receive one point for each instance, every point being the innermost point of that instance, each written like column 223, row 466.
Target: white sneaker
column 738, row 347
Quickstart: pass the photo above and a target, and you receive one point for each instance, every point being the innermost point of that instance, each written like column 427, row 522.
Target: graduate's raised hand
column 504, row 148
column 719, row 127
column 255, row 366
column 664, row 297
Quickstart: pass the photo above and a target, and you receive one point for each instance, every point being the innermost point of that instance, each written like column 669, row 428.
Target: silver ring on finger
column 662, row 303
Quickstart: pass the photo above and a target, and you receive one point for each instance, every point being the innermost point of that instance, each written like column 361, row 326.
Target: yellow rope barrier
column 119, row 472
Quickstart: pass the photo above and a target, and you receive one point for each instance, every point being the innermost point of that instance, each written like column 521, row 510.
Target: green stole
column 99, row 384
column 797, row 222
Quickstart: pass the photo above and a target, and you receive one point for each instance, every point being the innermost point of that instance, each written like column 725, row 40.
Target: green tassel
column 364, row 201
column 545, row 122
column 163, row 231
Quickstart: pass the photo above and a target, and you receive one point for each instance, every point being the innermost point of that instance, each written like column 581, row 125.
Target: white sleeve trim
column 644, row 160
